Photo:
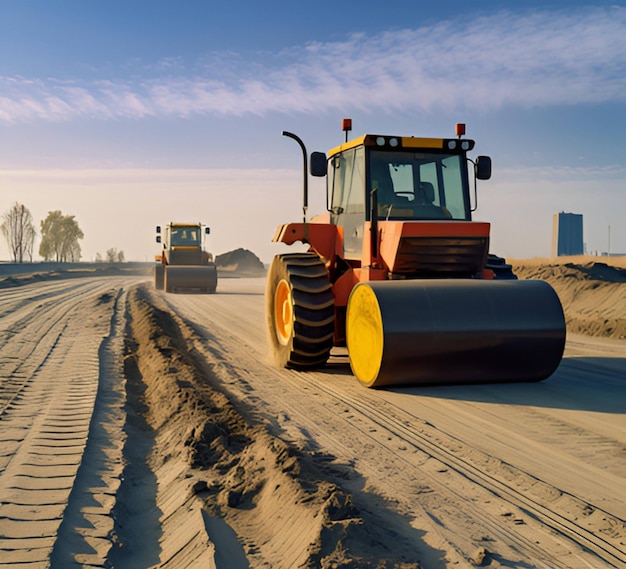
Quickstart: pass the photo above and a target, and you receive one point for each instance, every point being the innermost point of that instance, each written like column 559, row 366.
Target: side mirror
column 482, row 168
column 318, row 164
column 158, row 229
column 207, row 230
column 158, row 239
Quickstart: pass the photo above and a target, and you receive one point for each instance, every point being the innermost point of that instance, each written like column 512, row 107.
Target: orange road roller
column 398, row 272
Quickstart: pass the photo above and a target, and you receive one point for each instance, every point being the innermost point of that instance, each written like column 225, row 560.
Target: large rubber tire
column 159, row 276
column 501, row 269
column 300, row 311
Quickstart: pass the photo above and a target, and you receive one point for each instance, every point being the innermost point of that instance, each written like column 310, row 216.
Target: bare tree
column 19, row 232
column 30, row 242
column 59, row 238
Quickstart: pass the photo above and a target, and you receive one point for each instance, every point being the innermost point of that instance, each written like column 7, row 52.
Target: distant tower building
column 567, row 234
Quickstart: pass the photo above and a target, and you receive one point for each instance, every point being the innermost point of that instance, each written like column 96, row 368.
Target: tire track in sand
column 44, row 427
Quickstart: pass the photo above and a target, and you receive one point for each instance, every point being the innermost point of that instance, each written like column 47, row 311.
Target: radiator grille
column 441, row 256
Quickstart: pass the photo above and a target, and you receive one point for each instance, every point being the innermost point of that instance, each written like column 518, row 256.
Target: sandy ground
column 139, row 429
column 591, row 291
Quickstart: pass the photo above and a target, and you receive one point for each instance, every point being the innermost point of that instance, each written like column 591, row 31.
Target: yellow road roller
column 183, row 265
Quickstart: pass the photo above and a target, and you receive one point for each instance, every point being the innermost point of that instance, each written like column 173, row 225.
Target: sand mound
column 593, row 294
column 240, row 261
column 285, row 508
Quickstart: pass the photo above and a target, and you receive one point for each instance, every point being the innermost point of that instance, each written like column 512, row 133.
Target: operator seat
column 424, row 206
column 425, row 194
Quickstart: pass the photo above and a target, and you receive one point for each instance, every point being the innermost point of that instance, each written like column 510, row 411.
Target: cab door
column 348, row 207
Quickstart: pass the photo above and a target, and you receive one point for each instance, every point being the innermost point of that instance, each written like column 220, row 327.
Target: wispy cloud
column 541, row 59
column 587, row 175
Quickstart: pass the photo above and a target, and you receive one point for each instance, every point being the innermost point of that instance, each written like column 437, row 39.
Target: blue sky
column 132, row 114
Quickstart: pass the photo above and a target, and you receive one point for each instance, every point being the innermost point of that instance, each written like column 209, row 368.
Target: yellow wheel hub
column 364, row 334
column 283, row 312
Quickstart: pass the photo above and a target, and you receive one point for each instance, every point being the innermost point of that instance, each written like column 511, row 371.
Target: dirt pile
column 240, row 261
column 285, row 509
column 593, row 294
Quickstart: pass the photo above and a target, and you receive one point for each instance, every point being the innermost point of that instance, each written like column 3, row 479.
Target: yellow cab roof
column 401, row 143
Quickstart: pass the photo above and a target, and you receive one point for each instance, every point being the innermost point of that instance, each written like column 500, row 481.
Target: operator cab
column 416, row 179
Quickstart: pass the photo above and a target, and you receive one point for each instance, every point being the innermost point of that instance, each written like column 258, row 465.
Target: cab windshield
column 185, row 236
column 419, row 185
